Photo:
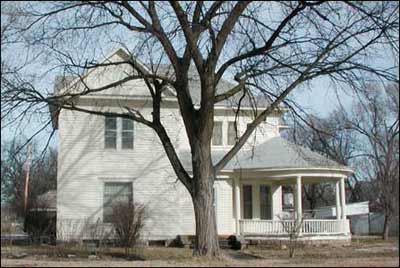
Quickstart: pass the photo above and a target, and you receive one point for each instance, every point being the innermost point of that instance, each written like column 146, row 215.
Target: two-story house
column 103, row 159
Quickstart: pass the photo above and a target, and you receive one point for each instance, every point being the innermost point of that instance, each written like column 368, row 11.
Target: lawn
column 373, row 253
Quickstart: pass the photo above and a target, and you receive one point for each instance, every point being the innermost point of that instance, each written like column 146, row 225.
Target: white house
column 100, row 158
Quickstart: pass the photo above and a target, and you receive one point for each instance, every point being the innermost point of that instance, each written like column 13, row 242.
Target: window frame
column 107, row 202
column 288, row 195
column 127, row 131
column 221, row 123
column 107, row 131
column 265, row 205
column 247, row 202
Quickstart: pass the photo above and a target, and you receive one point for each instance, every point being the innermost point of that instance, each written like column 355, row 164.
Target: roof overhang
column 123, row 53
column 287, row 175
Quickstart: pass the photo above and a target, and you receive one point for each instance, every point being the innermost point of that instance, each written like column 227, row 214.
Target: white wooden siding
column 224, row 203
column 84, row 164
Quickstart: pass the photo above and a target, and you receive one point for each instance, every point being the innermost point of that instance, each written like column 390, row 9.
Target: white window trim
column 129, row 131
column 225, row 133
column 222, row 134
column 117, row 179
column 105, row 180
column 242, row 198
column 269, row 196
column 104, row 135
column 119, row 137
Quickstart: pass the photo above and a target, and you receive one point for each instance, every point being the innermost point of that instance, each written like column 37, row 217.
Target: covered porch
column 256, row 178
column 259, row 212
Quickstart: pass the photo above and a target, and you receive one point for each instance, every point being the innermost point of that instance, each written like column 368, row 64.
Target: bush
column 128, row 221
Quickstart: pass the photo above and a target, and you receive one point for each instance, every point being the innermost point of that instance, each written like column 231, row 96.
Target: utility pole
column 28, row 164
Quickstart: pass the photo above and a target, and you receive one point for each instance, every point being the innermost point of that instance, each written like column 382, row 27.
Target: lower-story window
column 115, row 192
column 247, row 202
column 265, row 202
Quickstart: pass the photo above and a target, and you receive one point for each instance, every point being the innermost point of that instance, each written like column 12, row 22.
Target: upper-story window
column 110, row 135
column 217, row 133
column 231, row 133
column 118, row 133
column 127, row 133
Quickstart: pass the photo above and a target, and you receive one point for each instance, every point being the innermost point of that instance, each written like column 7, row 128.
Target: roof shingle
column 276, row 153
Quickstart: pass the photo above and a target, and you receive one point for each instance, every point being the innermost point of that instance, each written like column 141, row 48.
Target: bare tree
column 376, row 119
column 43, row 175
column 366, row 139
column 268, row 50
column 316, row 195
column 334, row 138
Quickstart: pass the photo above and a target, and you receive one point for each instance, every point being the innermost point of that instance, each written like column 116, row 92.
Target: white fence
column 284, row 227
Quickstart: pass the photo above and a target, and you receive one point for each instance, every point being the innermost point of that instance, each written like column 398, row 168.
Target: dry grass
column 359, row 253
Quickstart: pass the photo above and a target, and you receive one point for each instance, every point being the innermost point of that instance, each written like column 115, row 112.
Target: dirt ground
column 361, row 253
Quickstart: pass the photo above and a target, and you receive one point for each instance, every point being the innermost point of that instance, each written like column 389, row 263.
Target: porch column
column 298, row 203
column 337, row 200
column 237, row 204
column 343, row 198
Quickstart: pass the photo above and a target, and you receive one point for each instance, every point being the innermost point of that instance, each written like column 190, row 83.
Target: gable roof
column 222, row 87
column 65, row 82
column 276, row 153
column 62, row 82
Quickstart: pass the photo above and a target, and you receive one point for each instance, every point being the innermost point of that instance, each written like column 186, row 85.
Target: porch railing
column 282, row 227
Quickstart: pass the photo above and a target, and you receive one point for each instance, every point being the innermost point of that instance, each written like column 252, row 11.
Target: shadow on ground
column 240, row 255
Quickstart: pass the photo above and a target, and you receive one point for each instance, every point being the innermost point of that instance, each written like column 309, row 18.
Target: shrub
column 97, row 232
column 128, row 221
column 293, row 229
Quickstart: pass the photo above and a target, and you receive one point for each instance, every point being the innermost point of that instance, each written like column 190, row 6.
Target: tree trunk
column 206, row 243
column 385, row 234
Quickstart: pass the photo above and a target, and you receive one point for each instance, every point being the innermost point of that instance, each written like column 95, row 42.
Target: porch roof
column 276, row 153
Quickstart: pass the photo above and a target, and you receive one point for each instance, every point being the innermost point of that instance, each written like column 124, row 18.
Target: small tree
column 128, row 221
column 293, row 229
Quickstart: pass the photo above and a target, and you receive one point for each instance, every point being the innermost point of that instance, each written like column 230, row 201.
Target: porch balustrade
column 283, row 227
